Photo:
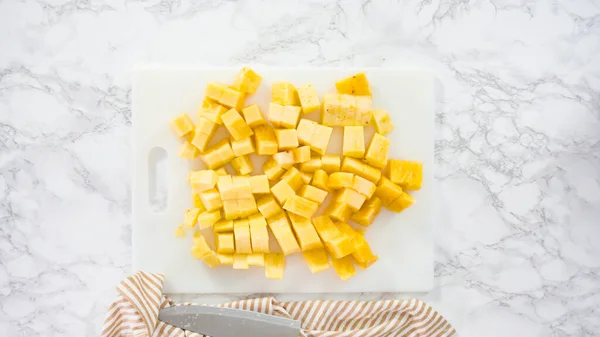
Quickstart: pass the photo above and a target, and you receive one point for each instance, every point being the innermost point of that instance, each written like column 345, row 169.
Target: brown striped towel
column 135, row 314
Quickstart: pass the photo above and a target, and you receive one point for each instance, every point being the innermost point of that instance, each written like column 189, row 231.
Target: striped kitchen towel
column 135, row 314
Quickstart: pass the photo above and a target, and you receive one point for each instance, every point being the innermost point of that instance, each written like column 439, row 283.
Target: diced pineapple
column 301, row 154
column 180, row 232
column 344, row 110
column 182, row 125
column 331, row 163
column 202, row 251
column 223, row 226
column 382, row 121
column 320, row 179
column 348, row 110
column 227, row 190
column 240, row 261
column 305, row 232
column 236, row 125
column 377, row 152
column 242, row 165
column 191, row 218
column 205, row 129
column 203, row 180
column 214, row 90
column 284, row 159
column 293, row 178
column 313, row 193
column 309, row 98
column 387, row 191
column 363, row 186
column 259, row 234
column 354, row 85
column 212, row 111
column 211, row 199
column 364, row 109
column 225, row 259
column 197, row 202
column 407, row 174
column 284, row 93
column 336, row 243
column 350, row 197
column 242, row 187
column 401, row 203
column 268, row 207
column 311, row 165
column 218, row 155
column 275, row 114
column 354, row 141
column 247, row 207
column 282, row 191
column 280, row 227
column 208, row 218
column 247, row 81
column 325, row 228
column 316, row 259
column 339, row 211
column 188, row 151
column 339, row 180
column 321, row 139
column 359, row 168
column 221, row 171
column 265, row 141
column 256, row 259
column 253, row 116
column 241, row 232
column 272, row 169
column 231, row 209
column 286, row 139
column 367, row 213
column 242, row 147
column 232, row 99
column 340, row 246
column 306, row 130
column 225, row 243
column 344, row 267
column 306, row 177
column 274, row 265
column 300, row 206
column 259, row 184
column 330, row 114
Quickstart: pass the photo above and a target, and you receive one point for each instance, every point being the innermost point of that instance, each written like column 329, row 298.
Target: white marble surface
column 517, row 148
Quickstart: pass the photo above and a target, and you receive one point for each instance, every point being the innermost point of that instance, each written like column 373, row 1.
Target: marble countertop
column 517, row 144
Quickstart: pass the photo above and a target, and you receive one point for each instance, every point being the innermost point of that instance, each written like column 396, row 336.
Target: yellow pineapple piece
column 300, row 206
column 223, row 226
column 301, row 154
column 316, row 259
column 212, row 111
column 353, row 165
column 364, row 109
column 232, row 99
column 290, row 116
column 180, row 232
column 284, row 159
column 225, row 259
column 286, row 139
column 348, row 110
column 241, row 232
column 311, row 165
column 203, row 180
column 274, row 265
column 321, row 139
column 401, row 203
column 272, row 169
column 231, row 209
column 382, row 121
column 284, row 93
column 188, row 151
column 293, row 178
column 268, row 207
column 306, row 130
column 242, row 187
column 363, row 186
column 305, row 232
column 306, row 177
column 259, row 235
column 205, row 129
column 338, row 244
column 208, row 218
column 253, row 116
column 211, row 199
column 247, row 206
column 344, row 267
column 191, row 218
column 367, row 213
column 407, row 174
column 325, row 228
column 339, row 211
column 256, row 259
column 387, row 191
column 313, row 194
column 354, row 141
column 331, row 163
column 182, row 125
column 240, row 261
column 259, row 184
column 275, row 114
column 202, row 251
column 218, row 155
column 225, row 243
column 282, row 191
column 197, row 202
column 242, row 165
column 221, row 171
column 227, row 190
column 247, row 81
column 280, row 227
column 236, row 125
column 214, row 90
column 320, row 179
column 309, row 98
column 330, row 114
column 363, row 254
column 377, row 152
column 265, row 141
column 242, row 147
column 354, row 85
column 339, row 180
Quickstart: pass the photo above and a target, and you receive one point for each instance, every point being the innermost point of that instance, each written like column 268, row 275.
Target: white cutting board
column 404, row 242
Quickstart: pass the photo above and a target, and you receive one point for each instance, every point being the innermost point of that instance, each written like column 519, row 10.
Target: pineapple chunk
column 325, row 228
column 259, row 235
column 363, row 109
column 242, row 165
column 259, row 184
column 201, row 251
column 231, row 209
column 274, row 265
column 272, row 169
column 197, row 202
column 188, row 151
column 309, row 98
column 320, row 179
column 226, row 188
column 330, row 115
column 232, row 99
column 225, row 243
column 212, row 111
column 339, row 180
column 203, row 180
column 242, row 147
column 305, row 233
column 382, row 121
column 247, row 207
column 211, row 199
column 354, row 85
column 284, row 93
column 387, row 191
column 180, row 232
column 306, row 130
column 348, row 196
column 301, row 154
column 331, row 163
column 268, row 207
column 284, row 159
column 339, row 211
column 286, row 139
column 282, row 191
column 300, row 206
column 208, row 218
column 338, row 244
column 367, row 213
column 253, row 116
column 205, row 129
column 214, row 90
column 293, row 178
column 344, row 267
column 182, row 125
column 240, row 261
column 306, row 177
column 265, row 141
column 363, row 254
column 256, row 259
column 359, row 168
column 223, row 226
column 377, row 152
column 275, row 114
column 225, row 259
column 363, row 186
column 280, row 227
column 241, row 232
column 354, row 141
column 401, row 203
column 221, row 171
column 344, row 110
column 407, row 174
column 313, row 194
column 284, row 116
column 321, row 139
column 236, row 125
column 316, row 259
column 311, row 165
column 247, row 81
column 218, row 155
column 242, row 187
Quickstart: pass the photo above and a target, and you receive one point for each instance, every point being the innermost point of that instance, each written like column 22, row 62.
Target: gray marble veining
column 517, row 144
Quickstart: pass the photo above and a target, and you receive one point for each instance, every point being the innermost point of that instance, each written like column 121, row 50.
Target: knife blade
column 226, row 322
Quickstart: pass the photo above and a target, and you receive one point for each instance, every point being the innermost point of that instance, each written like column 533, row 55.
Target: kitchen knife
column 225, row 322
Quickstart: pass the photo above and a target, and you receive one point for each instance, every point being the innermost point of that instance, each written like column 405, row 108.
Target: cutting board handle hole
column 158, row 195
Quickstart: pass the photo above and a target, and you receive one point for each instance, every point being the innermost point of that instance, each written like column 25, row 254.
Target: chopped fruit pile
column 286, row 201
